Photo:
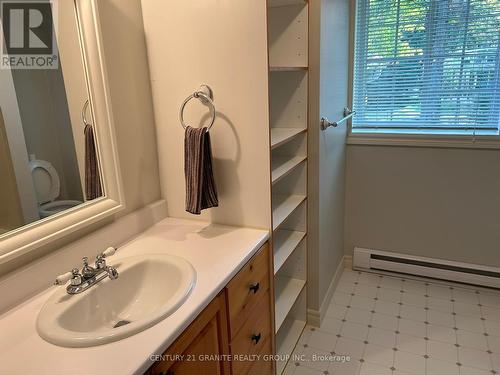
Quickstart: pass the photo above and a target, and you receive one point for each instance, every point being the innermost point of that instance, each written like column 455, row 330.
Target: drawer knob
column 256, row 338
column 254, row 287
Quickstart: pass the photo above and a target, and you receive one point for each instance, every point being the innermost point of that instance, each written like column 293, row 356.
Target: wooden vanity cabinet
column 206, row 336
column 238, row 322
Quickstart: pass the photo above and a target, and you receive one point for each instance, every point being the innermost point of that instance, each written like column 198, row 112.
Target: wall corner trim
column 315, row 317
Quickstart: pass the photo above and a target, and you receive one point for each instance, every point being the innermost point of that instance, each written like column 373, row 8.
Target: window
column 427, row 67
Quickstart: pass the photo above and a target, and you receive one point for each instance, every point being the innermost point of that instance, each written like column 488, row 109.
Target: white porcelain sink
column 149, row 288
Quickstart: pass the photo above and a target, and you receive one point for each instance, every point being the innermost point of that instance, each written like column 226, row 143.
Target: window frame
column 398, row 138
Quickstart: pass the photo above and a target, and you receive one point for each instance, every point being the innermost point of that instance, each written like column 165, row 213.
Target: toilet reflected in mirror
column 48, row 188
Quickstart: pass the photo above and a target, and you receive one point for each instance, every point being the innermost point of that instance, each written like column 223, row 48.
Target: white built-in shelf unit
column 288, row 97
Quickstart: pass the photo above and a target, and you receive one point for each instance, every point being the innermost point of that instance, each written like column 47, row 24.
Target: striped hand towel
column 201, row 192
column 93, row 187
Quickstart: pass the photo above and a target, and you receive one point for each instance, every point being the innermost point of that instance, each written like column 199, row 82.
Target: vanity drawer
column 254, row 338
column 247, row 288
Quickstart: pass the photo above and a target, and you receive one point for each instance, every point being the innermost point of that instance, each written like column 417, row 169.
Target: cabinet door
column 207, row 343
column 197, row 350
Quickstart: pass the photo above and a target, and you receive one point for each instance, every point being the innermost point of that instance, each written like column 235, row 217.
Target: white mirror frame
column 27, row 238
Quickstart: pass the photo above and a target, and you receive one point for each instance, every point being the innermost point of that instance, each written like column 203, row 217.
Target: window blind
column 427, row 66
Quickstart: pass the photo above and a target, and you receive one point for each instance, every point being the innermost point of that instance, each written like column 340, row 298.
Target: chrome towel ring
column 205, row 95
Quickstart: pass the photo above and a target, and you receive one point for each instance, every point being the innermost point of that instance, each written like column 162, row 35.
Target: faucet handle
column 100, row 260
column 109, row 251
column 65, row 277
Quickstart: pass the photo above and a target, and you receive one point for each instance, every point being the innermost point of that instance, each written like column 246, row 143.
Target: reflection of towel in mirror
column 92, row 178
column 201, row 191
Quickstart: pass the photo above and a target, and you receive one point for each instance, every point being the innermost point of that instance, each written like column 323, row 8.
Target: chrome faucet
column 89, row 276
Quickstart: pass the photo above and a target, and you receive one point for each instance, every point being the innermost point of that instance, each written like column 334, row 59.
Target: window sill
column 412, row 140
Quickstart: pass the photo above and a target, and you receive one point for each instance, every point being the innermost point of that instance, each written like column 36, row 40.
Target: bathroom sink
column 149, row 288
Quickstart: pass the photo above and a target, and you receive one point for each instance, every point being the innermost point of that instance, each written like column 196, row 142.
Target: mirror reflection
column 48, row 149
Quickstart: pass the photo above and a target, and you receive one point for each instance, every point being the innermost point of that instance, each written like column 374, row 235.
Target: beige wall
column 128, row 74
column 222, row 44
column 11, row 215
column 131, row 101
column 328, row 57
column 439, row 203
column 73, row 71
column 46, row 125
column 17, row 145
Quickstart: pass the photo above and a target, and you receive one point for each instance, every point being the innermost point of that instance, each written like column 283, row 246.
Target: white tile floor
column 394, row 326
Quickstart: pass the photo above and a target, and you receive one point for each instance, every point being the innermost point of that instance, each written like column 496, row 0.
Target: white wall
column 329, row 52
column 222, row 44
column 433, row 202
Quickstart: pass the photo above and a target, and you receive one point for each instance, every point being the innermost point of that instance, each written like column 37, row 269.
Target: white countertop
column 216, row 252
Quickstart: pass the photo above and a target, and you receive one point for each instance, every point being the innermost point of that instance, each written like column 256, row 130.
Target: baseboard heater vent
column 375, row 260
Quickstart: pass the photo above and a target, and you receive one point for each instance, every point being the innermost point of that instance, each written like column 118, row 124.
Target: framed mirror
column 59, row 166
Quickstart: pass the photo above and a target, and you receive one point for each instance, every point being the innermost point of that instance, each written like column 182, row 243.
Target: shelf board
column 283, row 3
column 285, row 243
column 280, row 136
column 283, row 165
column 287, row 68
column 287, row 290
column 286, row 204
column 291, row 331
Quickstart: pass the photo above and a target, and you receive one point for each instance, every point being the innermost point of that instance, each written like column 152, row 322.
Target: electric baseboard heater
column 375, row 260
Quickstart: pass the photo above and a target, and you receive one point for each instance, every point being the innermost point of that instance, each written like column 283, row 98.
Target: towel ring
column 84, row 113
column 205, row 95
